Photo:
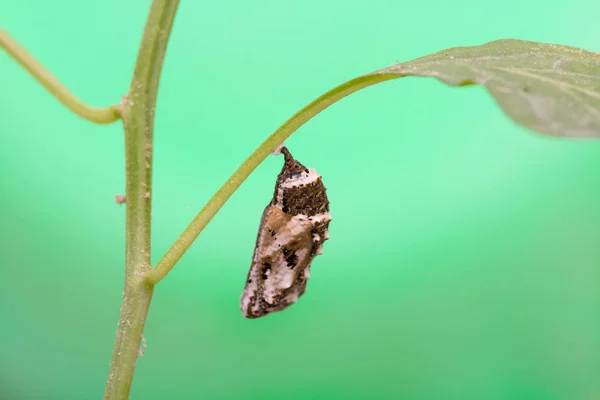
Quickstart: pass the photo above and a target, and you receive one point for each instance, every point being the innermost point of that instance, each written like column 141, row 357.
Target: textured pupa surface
column 291, row 234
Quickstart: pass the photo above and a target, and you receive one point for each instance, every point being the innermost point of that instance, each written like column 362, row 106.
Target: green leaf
column 548, row 88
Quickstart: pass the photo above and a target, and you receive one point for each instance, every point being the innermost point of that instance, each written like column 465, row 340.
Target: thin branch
column 53, row 85
column 190, row 234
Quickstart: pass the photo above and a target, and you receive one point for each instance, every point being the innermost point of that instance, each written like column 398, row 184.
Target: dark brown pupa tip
column 291, row 166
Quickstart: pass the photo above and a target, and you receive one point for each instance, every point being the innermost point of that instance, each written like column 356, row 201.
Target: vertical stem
column 138, row 122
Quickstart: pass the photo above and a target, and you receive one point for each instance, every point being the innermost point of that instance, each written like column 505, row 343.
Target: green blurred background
column 464, row 260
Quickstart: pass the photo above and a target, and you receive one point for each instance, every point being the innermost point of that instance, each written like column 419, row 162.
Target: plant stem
column 138, row 121
column 174, row 254
column 53, row 85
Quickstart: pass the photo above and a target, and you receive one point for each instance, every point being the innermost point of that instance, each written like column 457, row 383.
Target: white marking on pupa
column 292, row 230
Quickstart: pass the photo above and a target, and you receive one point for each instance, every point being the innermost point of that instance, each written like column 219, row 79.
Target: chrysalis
column 291, row 234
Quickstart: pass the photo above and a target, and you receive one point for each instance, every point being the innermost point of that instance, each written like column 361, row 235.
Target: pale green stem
column 57, row 89
column 267, row 147
column 138, row 121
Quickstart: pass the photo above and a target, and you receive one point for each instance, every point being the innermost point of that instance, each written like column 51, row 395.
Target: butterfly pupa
column 292, row 230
